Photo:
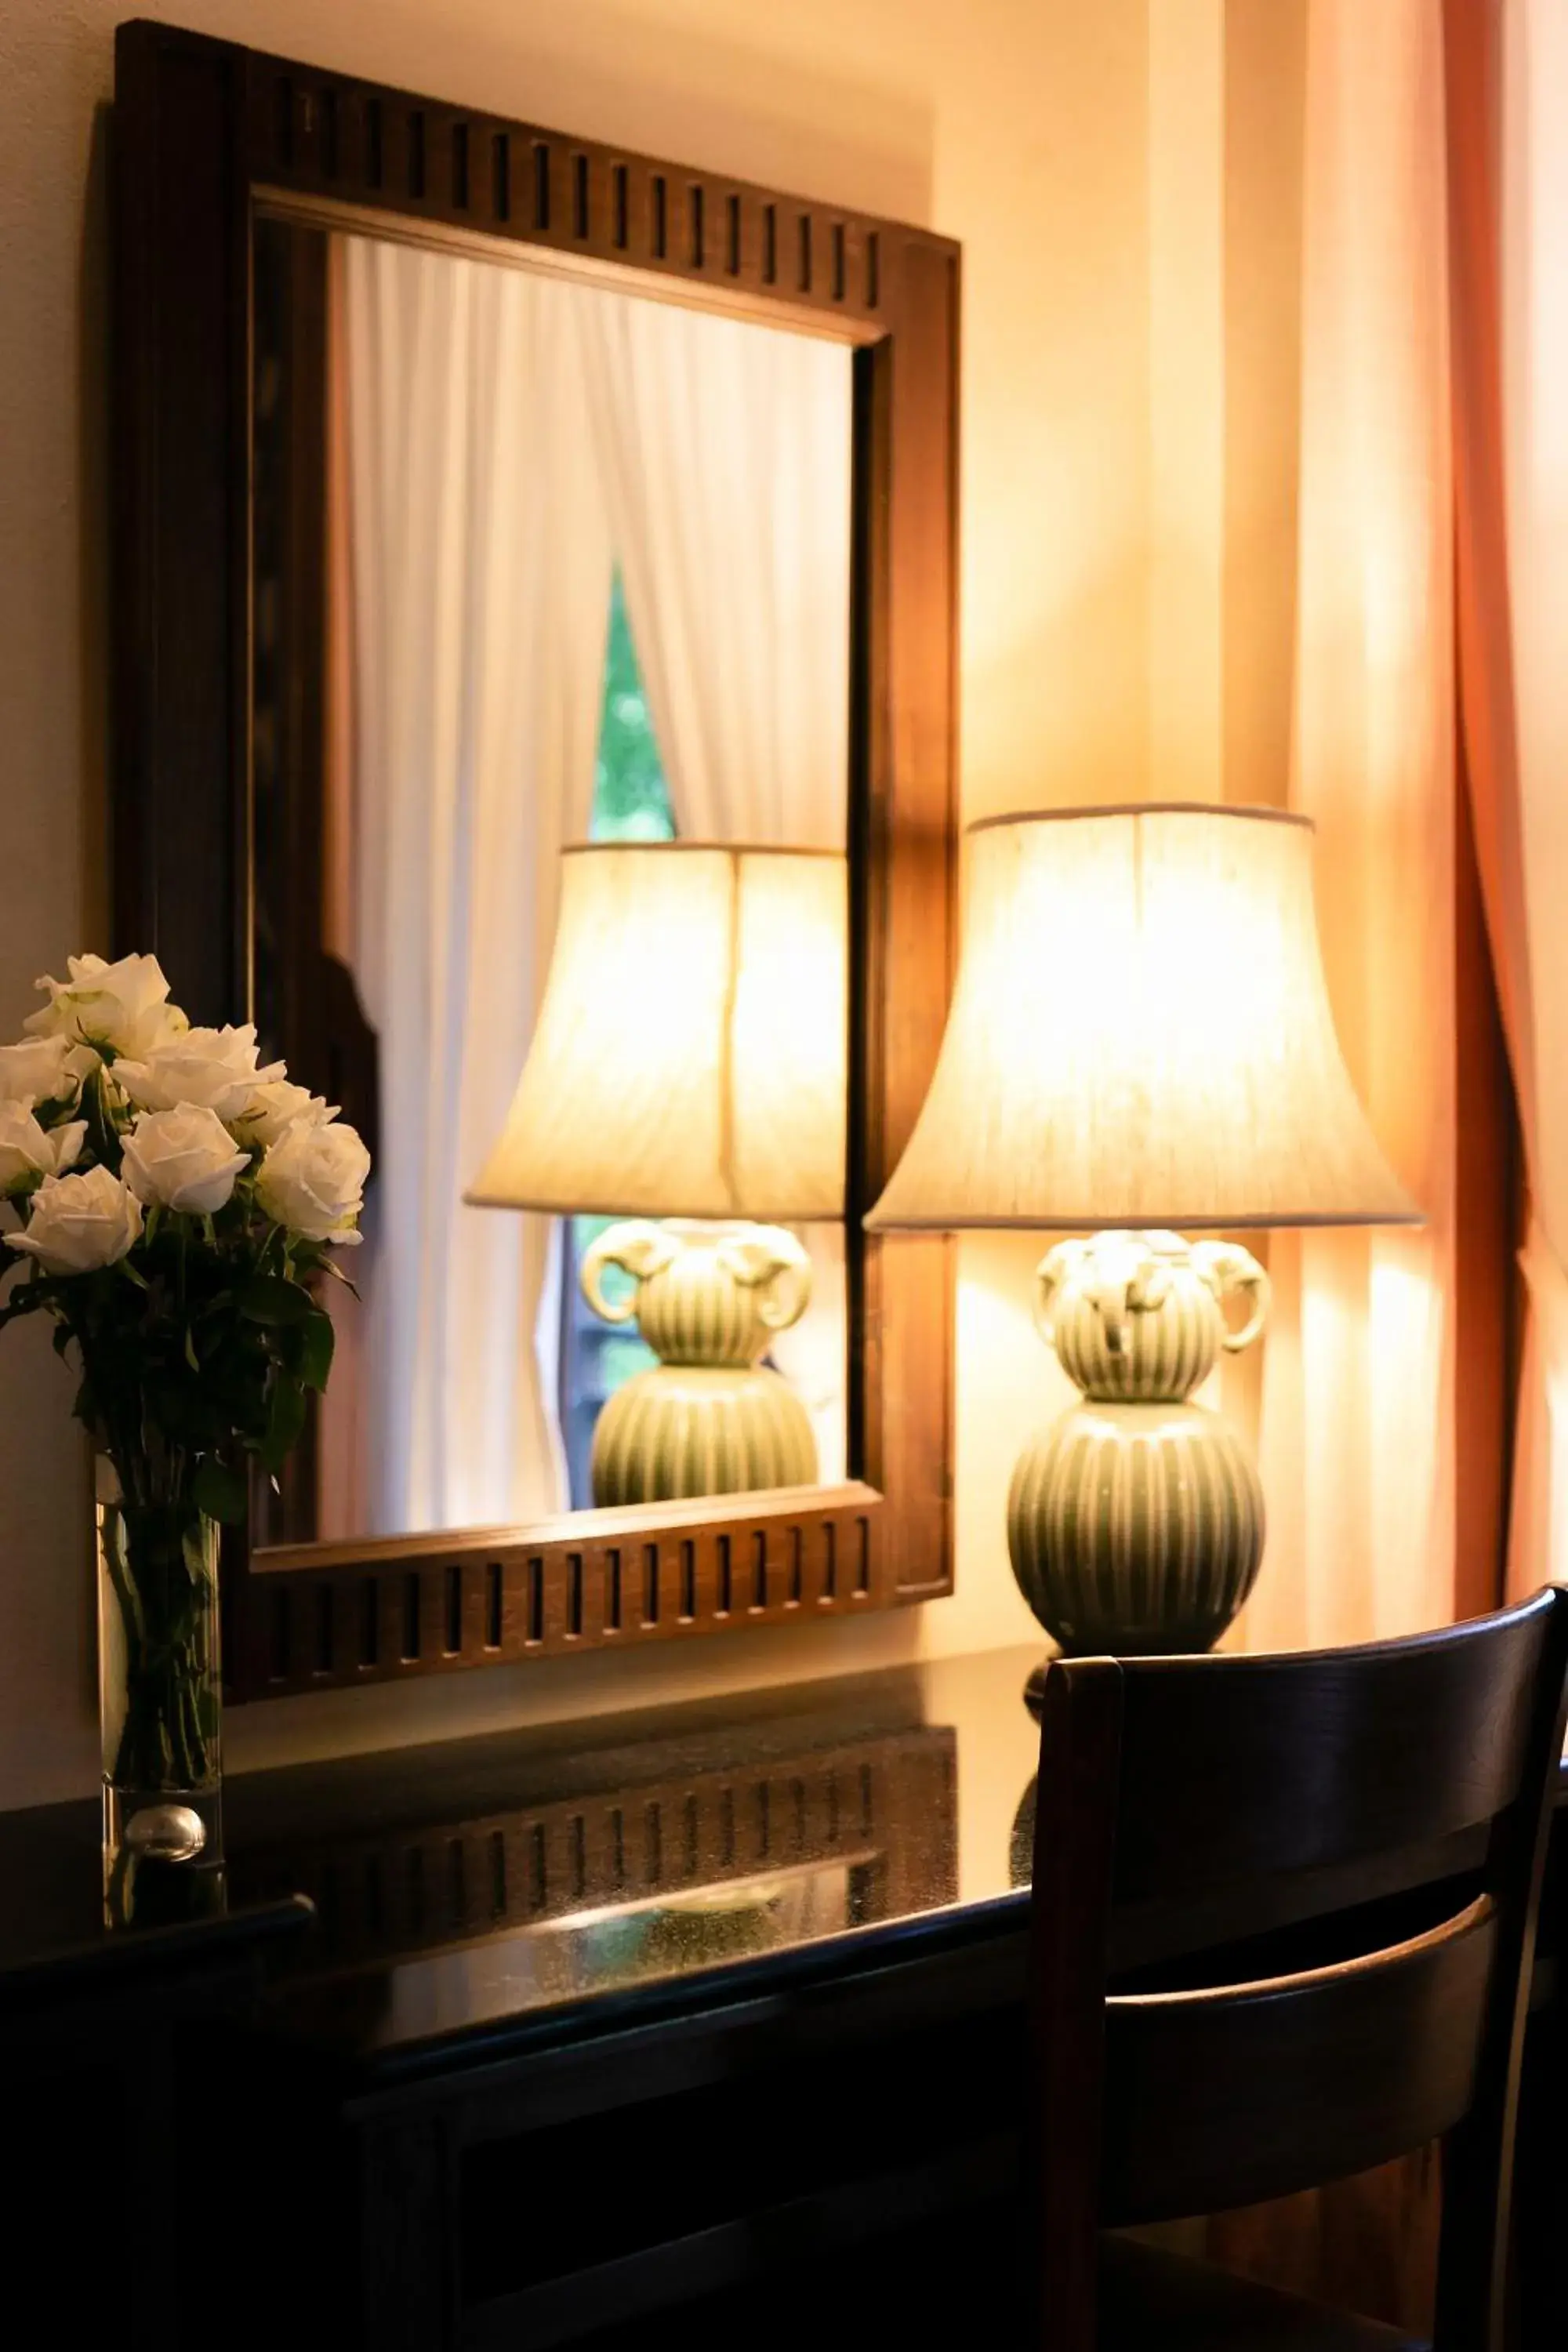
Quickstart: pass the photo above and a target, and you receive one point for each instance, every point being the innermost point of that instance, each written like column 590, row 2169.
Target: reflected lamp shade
column 690, row 1055
column 1140, row 1036
column 1141, row 1040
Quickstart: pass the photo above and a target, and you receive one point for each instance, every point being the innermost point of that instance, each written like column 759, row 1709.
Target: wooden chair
column 1263, row 1807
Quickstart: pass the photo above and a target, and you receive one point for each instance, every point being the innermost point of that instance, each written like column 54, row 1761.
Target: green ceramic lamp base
column 1135, row 1522
column 709, row 1418
column 696, row 1428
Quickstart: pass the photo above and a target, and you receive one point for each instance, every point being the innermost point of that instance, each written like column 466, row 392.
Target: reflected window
column 631, row 802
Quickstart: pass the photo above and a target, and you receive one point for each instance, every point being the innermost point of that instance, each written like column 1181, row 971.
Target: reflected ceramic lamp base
column 709, row 1418
column 1135, row 1522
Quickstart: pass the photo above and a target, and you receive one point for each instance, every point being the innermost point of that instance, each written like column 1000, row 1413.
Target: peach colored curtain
column 1356, row 1415
column 1508, row 72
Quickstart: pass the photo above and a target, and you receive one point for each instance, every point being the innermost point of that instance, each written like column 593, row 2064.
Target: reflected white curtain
column 725, row 453
column 481, row 568
column 1356, row 1425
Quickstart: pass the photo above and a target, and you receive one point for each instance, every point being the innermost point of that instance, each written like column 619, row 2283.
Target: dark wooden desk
column 598, row 2019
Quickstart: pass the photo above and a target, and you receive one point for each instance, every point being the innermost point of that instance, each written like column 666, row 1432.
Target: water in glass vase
column 159, row 1690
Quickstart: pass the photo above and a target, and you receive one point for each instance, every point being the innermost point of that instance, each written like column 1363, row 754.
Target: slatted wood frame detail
column 868, row 1804
column 1165, row 1782
column 208, row 136
column 320, row 1616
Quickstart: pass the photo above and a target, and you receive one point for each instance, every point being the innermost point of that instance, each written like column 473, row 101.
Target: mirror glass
column 551, row 663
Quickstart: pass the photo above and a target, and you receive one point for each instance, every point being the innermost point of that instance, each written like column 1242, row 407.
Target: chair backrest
column 1283, row 1919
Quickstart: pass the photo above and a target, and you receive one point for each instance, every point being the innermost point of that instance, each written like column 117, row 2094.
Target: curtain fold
column 481, row 568
column 1507, row 70
column 1356, row 1415
column 724, row 450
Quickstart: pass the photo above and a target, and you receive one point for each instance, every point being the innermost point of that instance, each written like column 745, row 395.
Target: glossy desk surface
column 539, row 1885
column 560, row 1878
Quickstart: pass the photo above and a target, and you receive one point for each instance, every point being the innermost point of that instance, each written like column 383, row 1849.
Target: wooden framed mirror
column 289, row 814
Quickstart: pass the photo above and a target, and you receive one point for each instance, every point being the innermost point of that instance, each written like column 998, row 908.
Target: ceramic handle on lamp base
column 639, row 1248
column 1226, row 1266
column 773, row 1263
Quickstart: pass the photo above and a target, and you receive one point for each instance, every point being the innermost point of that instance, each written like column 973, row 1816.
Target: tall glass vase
column 160, row 1695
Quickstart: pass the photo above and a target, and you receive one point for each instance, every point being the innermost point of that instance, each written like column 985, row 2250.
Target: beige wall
column 1020, row 127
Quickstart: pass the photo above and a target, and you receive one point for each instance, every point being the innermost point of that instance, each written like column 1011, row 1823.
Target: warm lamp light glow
column 1140, row 1036
column 690, row 1056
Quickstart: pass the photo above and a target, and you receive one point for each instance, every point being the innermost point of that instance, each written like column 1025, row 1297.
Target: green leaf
column 268, row 1298
column 220, row 1492
column 190, row 1356
column 285, row 1422
column 317, row 1341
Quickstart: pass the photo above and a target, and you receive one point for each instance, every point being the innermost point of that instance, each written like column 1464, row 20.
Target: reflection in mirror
column 582, row 787
column 713, row 1100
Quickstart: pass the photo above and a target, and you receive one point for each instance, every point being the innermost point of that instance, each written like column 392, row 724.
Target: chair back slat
column 1237, row 1767
column 1237, row 2095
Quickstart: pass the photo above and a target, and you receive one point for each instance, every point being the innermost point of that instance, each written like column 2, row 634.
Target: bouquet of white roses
column 168, row 1202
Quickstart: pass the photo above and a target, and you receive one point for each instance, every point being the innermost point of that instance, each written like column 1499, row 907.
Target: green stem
column 155, row 1561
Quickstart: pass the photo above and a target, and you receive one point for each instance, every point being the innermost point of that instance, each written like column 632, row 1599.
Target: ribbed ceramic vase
column 709, row 1418
column 1135, row 1522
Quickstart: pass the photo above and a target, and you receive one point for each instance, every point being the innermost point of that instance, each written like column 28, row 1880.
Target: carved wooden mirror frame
column 210, row 136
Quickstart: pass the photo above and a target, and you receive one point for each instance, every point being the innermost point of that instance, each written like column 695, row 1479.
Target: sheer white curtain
column 725, row 453
column 1356, row 1426
column 481, row 569
column 725, row 449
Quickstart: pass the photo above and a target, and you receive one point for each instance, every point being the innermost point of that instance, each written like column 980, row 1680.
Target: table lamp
column 1139, row 1041
column 690, row 1067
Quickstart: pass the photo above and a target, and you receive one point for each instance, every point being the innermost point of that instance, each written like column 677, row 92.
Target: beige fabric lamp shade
column 1140, row 1036
column 690, row 1055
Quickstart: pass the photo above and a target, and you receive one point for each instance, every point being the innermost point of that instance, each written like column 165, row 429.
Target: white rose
column 29, row 1151
column 80, row 1223
column 122, row 1007
column 312, row 1181
column 43, row 1069
column 183, row 1159
column 213, row 1068
column 276, row 1107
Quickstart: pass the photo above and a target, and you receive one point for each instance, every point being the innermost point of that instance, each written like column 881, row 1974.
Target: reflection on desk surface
column 656, row 1858
column 614, row 1948
column 516, row 1875
column 512, row 1875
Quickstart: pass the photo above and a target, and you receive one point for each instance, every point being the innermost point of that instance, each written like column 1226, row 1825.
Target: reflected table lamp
column 1140, row 1042
column 688, row 1075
